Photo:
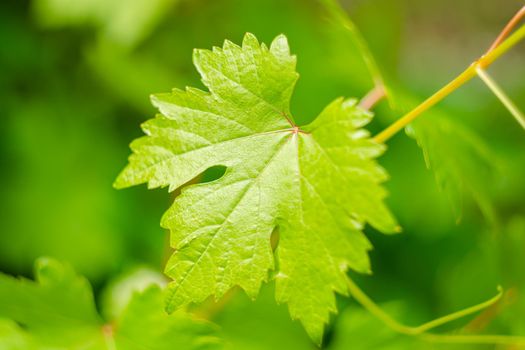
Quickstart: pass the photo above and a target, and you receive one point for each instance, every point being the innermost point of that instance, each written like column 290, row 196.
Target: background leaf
column 463, row 164
column 58, row 311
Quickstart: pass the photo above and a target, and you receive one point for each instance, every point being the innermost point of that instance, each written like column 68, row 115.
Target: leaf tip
column 117, row 185
column 198, row 55
column 120, row 182
column 154, row 99
column 249, row 40
column 169, row 305
column 229, row 45
column 279, row 46
column 44, row 262
column 315, row 333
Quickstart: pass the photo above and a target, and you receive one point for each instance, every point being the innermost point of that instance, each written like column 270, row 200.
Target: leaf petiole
column 373, row 308
column 109, row 339
column 373, row 97
column 508, row 29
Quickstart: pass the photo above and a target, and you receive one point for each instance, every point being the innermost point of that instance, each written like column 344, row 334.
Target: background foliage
column 75, row 77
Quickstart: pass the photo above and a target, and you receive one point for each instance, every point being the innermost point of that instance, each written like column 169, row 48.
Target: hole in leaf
column 212, row 174
column 274, row 238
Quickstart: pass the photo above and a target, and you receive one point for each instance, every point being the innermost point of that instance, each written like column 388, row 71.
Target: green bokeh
column 74, row 87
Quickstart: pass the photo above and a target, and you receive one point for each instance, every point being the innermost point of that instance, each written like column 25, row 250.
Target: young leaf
column 57, row 311
column 319, row 184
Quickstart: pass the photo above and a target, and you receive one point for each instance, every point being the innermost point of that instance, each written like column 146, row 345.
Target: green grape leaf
column 319, row 184
column 461, row 161
column 58, row 311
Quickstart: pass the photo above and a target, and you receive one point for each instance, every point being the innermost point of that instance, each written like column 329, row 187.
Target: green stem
column 109, row 339
column 498, row 91
column 490, row 339
column 371, row 306
column 461, row 79
column 421, row 331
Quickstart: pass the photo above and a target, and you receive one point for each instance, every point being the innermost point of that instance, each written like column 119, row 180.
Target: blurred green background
column 75, row 77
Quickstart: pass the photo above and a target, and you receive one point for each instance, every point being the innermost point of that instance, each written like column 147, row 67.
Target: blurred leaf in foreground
column 119, row 291
column 58, row 311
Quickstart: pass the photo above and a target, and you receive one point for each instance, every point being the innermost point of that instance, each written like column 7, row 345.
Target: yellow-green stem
column 464, row 77
column 371, row 306
column 490, row 339
column 421, row 331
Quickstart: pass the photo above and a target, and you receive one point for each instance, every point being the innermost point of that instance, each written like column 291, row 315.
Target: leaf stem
column 498, row 91
column 371, row 306
column 464, row 77
column 491, row 339
column 421, row 331
column 109, row 339
column 508, row 29
column 373, row 97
